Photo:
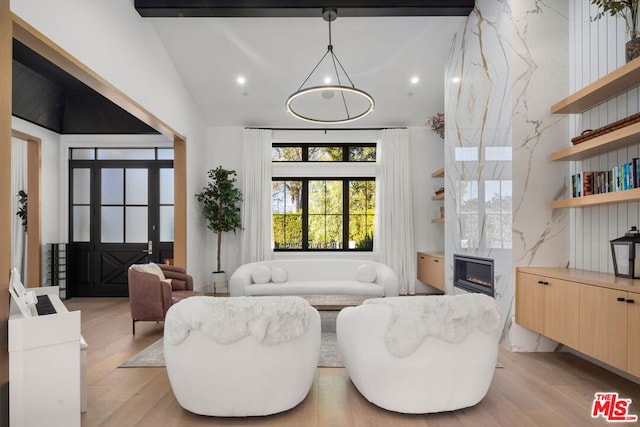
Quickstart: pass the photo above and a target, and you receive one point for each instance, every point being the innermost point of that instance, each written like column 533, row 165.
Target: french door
column 120, row 213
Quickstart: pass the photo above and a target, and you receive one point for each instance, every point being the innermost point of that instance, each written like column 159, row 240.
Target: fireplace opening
column 473, row 274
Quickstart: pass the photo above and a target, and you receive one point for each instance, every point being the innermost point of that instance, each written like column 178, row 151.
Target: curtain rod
column 325, row 129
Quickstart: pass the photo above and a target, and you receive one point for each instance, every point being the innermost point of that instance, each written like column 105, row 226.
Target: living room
column 515, row 58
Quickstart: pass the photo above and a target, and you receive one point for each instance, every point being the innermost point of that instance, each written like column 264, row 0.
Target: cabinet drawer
column 431, row 270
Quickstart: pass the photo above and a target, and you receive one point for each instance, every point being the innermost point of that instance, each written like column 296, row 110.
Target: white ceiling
column 275, row 55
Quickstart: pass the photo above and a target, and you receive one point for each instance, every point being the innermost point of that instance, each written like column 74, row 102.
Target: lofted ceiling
column 274, row 45
column 274, row 49
column 275, row 55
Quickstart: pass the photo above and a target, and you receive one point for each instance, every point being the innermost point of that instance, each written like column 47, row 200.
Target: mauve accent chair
column 150, row 297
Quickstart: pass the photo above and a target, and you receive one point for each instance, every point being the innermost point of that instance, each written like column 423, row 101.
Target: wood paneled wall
column 596, row 49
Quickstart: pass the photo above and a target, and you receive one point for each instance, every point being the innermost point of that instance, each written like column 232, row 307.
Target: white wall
column 224, row 147
column 114, row 41
column 597, row 48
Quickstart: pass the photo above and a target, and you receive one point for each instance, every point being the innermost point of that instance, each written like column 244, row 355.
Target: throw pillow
column 261, row 274
column 155, row 269
column 167, row 281
column 366, row 273
column 150, row 268
column 278, row 275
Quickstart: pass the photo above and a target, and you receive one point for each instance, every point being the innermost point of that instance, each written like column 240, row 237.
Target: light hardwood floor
column 533, row 389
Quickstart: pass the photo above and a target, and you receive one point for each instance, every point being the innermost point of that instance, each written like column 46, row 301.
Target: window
column 295, row 152
column 323, row 196
column 323, row 213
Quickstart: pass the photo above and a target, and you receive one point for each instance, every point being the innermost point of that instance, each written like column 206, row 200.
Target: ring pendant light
column 330, row 15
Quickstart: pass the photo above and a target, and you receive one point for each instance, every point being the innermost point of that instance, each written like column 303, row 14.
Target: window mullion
column 345, row 213
column 305, row 213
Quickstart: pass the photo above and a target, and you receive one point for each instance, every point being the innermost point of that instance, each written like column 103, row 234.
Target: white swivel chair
column 241, row 356
column 421, row 354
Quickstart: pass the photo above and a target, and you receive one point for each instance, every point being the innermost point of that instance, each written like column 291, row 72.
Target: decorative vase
column 632, row 49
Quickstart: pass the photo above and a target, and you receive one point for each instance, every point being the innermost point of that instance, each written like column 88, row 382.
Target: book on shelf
column 619, row 178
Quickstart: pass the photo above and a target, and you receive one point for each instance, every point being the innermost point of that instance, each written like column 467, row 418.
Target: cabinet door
column 633, row 334
column 530, row 301
column 422, row 267
column 603, row 325
column 431, row 271
column 562, row 311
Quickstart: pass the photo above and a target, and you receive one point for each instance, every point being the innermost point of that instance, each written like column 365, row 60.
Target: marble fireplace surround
column 507, row 66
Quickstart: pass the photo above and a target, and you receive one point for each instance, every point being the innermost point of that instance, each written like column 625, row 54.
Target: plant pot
column 632, row 49
column 219, row 280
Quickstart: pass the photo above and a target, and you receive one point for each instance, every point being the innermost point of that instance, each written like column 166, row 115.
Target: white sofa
column 421, row 354
column 314, row 277
column 239, row 357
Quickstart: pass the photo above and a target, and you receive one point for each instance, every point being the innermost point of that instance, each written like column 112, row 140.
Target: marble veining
column 498, row 137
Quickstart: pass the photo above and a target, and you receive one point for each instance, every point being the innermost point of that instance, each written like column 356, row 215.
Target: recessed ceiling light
column 327, row 80
column 455, row 80
column 414, row 80
column 241, row 80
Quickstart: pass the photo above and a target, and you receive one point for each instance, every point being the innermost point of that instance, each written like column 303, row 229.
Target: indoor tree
column 220, row 200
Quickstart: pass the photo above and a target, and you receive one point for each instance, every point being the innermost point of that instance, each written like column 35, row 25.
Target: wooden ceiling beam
column 300, row 8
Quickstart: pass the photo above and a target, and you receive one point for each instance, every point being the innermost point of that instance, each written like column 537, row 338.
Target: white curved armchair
column 245, row 375
column 437, row 376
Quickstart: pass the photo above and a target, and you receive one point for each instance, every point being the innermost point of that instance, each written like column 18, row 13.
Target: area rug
column 330, row 357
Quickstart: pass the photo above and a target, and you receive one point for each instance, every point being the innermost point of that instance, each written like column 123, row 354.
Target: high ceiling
column 275, row 55
column 395, row 51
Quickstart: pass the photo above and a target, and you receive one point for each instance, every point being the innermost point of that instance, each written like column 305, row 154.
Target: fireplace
column 473, row 274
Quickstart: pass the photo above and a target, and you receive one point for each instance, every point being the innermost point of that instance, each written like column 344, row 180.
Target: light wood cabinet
column 530, row 302
column 603, row 326
column 431, row 269
column 561, row 311
column 633, row 334
column 594, row 313
column 549, row 307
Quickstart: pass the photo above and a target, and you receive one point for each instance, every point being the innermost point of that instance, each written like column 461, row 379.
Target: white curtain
column 18, row 182
column 256, row 191
column 394, row 244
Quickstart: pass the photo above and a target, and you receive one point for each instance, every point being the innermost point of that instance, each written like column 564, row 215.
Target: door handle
column 149, row 249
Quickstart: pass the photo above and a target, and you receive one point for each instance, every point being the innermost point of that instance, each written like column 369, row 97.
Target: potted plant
column 628, row 10
column 22, row 209
column 220, row 200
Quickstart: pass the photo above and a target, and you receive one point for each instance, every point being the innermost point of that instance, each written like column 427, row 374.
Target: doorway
column 121, row 212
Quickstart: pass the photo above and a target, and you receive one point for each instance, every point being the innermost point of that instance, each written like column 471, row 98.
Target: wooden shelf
column 619, row 138
column 603, row 89
column 439, row 173
column 598, row 199
column 438, row 196
column 437, row 221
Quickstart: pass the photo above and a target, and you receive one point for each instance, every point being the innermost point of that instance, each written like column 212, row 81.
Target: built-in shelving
column 615, row 83
column 439, row 196
column 614, row 140
column 598, row 199
column 603, row 89
column 439, row 173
